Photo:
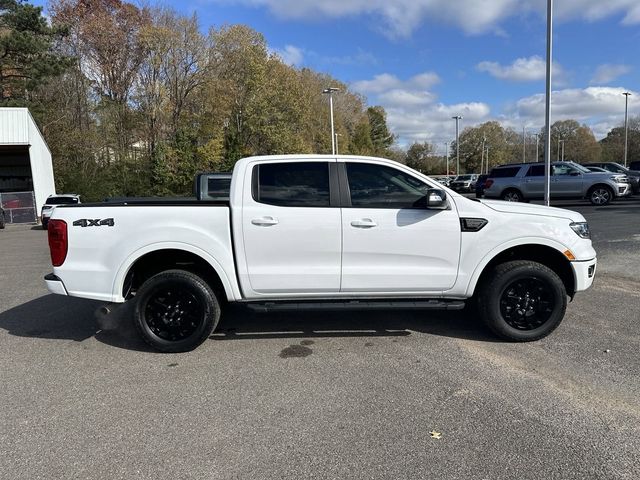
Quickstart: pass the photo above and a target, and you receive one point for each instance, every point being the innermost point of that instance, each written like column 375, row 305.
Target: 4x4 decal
column 88, row 222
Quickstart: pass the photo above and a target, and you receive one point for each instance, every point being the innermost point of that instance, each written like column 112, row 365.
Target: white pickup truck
column 314, row 231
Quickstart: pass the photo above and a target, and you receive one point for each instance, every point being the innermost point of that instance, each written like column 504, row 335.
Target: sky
column 425, row 61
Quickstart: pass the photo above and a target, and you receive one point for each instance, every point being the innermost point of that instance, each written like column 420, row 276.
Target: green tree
column 27, row 57
column 420, row 157
column 580, row 145
column 381, row 137
column 613, row 144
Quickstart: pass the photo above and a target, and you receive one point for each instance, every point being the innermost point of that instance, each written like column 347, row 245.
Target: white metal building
column 26, row 170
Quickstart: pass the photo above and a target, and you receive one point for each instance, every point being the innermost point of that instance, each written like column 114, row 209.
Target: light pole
column 484, row 140
column 336, row 135
column 524, row 145
column 487, row 171
column 547, row 105
column 562, row 142
column 447, row 155
column 558, row 149
column 457, row 118
column 537, row 143
column 329, row 91
column 626, row 125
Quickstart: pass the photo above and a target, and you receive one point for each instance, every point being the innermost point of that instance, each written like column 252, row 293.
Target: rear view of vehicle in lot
column 51, row 203
column 301, row 232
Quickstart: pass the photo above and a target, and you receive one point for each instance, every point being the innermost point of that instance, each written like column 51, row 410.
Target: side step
column 293, row 306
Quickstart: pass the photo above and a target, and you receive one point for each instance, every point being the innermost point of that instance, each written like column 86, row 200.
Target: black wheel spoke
column 527, row 303
column 174, row 314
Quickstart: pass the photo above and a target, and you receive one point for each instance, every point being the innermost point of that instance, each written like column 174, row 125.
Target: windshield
column 463, row 177
column 579, row 167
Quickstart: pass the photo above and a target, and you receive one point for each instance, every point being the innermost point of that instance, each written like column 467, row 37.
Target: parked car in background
column 525, row 181
column 613, row 167
column 54, row 200
column 480, row 185
column 464, row 183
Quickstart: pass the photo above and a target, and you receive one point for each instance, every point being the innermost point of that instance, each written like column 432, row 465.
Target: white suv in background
column 53, row 201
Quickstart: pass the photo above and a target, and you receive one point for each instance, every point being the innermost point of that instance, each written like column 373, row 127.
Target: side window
column 293, row 184
column 504, row 172
column 536, row 171
column 562, row 169
column 377, row 186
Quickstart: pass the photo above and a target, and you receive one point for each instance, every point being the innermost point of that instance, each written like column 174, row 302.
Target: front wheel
column 600, row 195
column 522, row 301
column 176, row 311
column 512, row 195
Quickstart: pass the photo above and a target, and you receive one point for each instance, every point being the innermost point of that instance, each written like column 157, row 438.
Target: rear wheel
column 522, row 301
column 512, row 195
column 176, row 311
column 600, row 195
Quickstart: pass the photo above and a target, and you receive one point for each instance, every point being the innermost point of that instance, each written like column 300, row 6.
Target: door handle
column 364, row 223
column 265, row 221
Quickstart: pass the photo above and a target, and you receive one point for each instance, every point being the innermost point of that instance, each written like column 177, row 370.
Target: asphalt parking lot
column 323, row 395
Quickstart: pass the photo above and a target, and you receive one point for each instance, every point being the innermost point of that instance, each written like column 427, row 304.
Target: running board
column 290, row 306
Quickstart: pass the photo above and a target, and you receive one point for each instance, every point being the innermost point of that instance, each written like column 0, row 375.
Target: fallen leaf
column 435, row 434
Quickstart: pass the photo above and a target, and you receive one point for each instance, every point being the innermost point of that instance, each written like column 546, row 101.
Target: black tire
column 512, row 195
column 45, row 225
column 176, row 311
column 600, row 195
column 522, row 301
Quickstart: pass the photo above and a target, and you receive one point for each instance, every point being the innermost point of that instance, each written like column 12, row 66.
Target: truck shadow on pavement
column 68, row 318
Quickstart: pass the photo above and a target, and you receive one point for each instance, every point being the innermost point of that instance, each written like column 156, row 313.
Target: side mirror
column 435, row 199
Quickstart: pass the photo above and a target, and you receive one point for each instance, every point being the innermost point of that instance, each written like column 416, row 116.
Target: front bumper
column 584, row 272
column 624, row 189
column 55, row 285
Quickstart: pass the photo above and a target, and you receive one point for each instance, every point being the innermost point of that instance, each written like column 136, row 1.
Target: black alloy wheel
column 526, row 303
column 175, row 311
column 522, row 300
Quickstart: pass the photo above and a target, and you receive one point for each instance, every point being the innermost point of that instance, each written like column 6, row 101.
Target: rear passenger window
column 536, row 171
column 294, row 184
column 504, row 172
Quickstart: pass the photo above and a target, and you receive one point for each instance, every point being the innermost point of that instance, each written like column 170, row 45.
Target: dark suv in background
column 613, row 167
column 525, row 181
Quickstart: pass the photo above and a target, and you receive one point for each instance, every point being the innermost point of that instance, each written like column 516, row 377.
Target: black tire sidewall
column 195, row 285
column 511, row 190
column 505, row 274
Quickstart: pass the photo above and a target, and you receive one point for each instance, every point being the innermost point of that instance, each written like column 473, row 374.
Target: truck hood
column 532, row 209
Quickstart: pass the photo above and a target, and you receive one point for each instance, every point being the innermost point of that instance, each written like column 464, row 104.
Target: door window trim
column 334, row 188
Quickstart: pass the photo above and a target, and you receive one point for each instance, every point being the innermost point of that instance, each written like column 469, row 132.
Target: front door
column 292, row 233
column 566, row 181
column 390, row 244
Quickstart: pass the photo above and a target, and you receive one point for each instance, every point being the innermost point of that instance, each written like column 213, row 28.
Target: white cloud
column 607, row 73
column 413, row 112
column 600, row 107
column 521, row 70
column 290, row 55
column 401, row 17
column 386, row 81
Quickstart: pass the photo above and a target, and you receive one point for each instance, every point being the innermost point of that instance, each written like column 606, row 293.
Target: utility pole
column 547, row 105
column 447, row 155
column 457, row 118
column 537, row 143
column 329, row 91
column 524, row 146
column 626, row 125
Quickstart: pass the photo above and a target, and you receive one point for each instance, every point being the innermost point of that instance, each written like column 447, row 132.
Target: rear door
column 533, row 182
column 390, row 244
column 291, row 228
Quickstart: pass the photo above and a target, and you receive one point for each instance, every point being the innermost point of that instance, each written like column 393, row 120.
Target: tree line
column 136, row 100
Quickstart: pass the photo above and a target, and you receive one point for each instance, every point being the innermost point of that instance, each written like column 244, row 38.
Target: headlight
column 581, row 229
column 620, row 178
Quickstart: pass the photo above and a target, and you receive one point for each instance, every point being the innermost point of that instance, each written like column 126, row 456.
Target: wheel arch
column 551, row 256
column 154, row 259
